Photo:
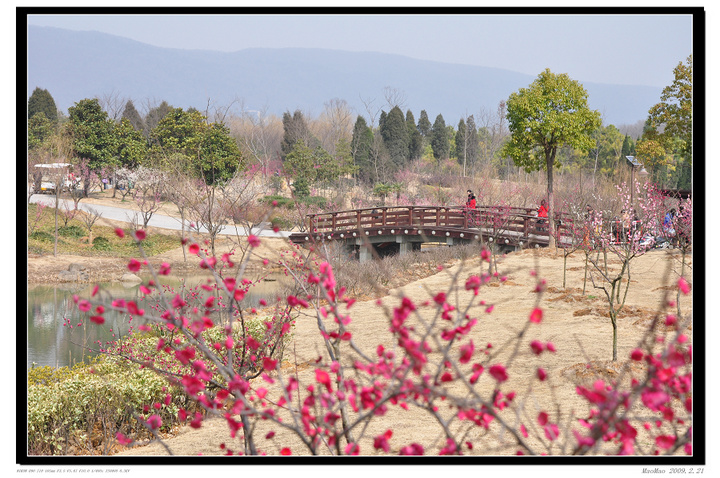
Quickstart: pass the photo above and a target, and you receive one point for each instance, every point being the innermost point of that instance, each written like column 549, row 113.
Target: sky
column 641, row 49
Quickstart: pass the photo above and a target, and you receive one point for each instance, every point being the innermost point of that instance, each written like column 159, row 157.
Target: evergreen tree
column 296, row 129
column 394, row 133
column 415, row 140
column 461, row 144
column 424, row 125
column 131, row 114
column 132, row 145
column 626, row 147
column 154, row 116
column 42, row 101
column 361, row 147
column 440, row 139
column 473, row 142
column 39, row 131
column 93, row 134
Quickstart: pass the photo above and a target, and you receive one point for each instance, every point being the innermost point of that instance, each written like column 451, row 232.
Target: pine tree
column 296, row 129
column 440, row 139
column 424, row 125
column 131, row 114
column 42, row 101
column 394, row 133
column 360, row 147
column 415, row 140
column 473, row 142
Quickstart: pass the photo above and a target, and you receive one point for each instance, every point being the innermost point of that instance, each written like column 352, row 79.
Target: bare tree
column 335, row 124
column 113, row 104
column 89, row 218
column 395, row 97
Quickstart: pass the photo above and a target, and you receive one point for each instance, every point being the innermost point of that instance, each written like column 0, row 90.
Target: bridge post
column 365, row 252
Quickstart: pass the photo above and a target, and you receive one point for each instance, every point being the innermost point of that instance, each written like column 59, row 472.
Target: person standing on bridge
column 471, row 202
column 542, row 214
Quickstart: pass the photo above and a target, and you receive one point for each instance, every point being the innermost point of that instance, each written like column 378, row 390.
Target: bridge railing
column 493, row 219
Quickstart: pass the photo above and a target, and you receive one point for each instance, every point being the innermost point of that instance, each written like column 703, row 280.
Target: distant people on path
column 669, row 225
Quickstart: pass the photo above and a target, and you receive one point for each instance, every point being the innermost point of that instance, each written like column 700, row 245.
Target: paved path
column 157, row 220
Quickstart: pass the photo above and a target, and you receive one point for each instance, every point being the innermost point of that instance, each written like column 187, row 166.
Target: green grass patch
column 105, row 244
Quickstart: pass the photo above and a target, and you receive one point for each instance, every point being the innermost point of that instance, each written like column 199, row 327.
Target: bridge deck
column 509, row 225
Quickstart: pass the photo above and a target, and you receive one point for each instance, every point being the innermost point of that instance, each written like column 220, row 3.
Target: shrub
column 101, row 243
column 71, row 231
column 42, row 236
column 76, row 410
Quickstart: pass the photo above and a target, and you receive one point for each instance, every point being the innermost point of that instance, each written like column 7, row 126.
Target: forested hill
column 76, row 65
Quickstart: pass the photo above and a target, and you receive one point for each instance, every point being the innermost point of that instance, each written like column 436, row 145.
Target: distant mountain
column 75, row 65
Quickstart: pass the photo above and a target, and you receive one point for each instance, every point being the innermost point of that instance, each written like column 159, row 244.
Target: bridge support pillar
column 365, row 253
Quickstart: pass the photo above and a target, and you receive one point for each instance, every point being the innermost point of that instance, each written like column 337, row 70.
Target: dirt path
column 574, row 322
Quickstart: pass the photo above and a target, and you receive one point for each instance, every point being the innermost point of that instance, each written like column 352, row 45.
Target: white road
column 157, row 220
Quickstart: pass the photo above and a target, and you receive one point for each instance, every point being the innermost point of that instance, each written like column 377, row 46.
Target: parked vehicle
column 46, row 176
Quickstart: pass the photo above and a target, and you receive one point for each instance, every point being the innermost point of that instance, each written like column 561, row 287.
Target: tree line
column 370, row 148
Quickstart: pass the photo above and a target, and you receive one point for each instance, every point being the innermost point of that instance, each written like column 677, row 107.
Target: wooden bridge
column 390, row 230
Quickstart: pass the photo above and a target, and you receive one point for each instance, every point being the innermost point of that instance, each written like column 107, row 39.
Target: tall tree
column 39, row 130
column 42, row 101
column 670, row 121
column 132, row 145
column 93, row 134
column 394, row 133
column 551, row 113
column 215, row 154
column 154, row 115
column 473, row 141
column 131, row 114
column 415, row 140
column 440, row 140
column 361, row 147
column 296, row 129
column 461, row 141
column 424, row 125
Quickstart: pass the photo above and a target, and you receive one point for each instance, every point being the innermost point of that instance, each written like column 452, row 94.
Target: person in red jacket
column 542, row 214
column 543, row 210
column 471, row 202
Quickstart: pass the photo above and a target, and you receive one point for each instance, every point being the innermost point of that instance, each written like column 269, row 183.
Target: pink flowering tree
column 429, row 359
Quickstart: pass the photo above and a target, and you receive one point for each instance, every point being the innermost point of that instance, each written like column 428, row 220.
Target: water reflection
column 50, row 342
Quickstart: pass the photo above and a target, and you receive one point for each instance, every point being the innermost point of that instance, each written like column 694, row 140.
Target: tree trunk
column 550, row 162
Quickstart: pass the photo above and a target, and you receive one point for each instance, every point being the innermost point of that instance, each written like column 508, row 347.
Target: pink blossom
column 466, row 352
column 194, row 249
column 269, row 364
column 537, row 347
column 683, row 286
column 154, row 422
column 97, row 319
column 254, row 240
column 285, row 451
column 499, row 373
column 536, row 315
column 122, row 439
column 665, row 441
column 541, row 374
column 164, row 269
column 323, row 378
column 637, row 355
column 140, row 235
column 119, row 232
column 134, row 265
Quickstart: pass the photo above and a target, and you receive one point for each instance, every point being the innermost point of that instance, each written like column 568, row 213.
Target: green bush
column 67, row 405
column 71, row 231
column 101, row 244
column 42, row 236
column 281, row 201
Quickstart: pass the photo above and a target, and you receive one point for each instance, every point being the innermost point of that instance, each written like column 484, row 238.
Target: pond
column 54, row 338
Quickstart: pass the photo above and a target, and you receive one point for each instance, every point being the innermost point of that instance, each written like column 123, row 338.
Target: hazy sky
column 610, row 48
